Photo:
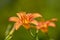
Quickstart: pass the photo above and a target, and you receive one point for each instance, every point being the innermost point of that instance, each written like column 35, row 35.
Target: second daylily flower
column 43, row 25
column 24, row 19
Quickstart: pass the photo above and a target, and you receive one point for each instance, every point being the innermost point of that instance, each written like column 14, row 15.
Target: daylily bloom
column 24, row 19
column 43, row 25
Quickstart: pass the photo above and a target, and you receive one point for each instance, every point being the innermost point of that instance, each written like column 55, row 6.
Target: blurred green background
column 48, row 8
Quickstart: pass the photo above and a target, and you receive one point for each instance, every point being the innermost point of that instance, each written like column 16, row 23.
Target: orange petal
column 34, row 22
column 29, row 14
column 35, row 15
column 52, row 24
column 27, row 26
column 37, row 27
column 29, row 17
column 21, row 14
column 44, row 29
column 54, row 19
column 14, row 19
column 17, row 25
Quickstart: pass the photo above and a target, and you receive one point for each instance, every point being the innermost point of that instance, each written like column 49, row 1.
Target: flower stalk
column 9, row 36
column 36, row 36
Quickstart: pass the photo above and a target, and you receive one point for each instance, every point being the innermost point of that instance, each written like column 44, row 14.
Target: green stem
column 32, row 34
column 9, row 36
column 36, row 36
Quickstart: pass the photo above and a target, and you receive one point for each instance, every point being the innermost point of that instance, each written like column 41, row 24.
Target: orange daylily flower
column 24, row 19
column 43, row 25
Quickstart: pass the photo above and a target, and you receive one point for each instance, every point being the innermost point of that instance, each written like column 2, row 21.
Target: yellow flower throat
column 25, row 21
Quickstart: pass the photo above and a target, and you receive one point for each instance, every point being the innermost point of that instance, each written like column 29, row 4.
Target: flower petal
column 14, row 19
column 34, row 22
column 37, row 27
column 17, row 25
column 52, row 24
column 35, row 15
column 21, row 14
column 29, row 17
column 44, row 29
column 54, row 19
column 27, row 26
